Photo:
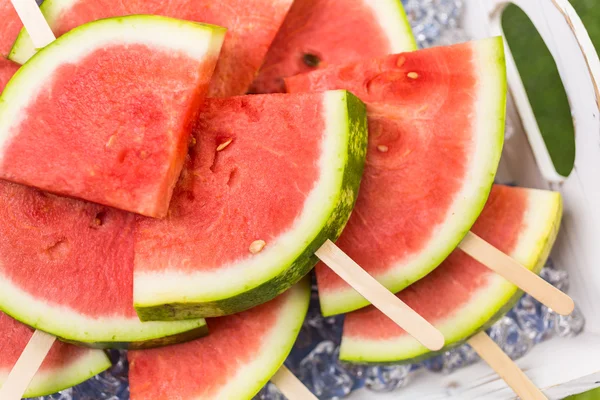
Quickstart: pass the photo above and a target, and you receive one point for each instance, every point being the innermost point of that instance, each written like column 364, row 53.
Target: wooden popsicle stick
column 514, row 272
column 291, row 387
column 380, row 296
column 514, row 377
column 26, row 366
column 34, row 22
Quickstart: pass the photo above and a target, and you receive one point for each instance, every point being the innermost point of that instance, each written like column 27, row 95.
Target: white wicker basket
column 560, row 367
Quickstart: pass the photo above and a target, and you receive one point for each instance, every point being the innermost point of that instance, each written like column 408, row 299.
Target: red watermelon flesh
column 462, row 295
column 317, row 33
column 10, row 26
column 109, row 119
column 239, row 356
column 435, row 135
column 7, row 70
column 251, row 24
column 66, row 365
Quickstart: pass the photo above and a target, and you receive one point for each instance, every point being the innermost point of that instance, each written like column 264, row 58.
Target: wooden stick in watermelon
column 26, row 366
column 380, row 297
column 34, row 22
column 290, row 385
column 514, row 377
column 517, row 274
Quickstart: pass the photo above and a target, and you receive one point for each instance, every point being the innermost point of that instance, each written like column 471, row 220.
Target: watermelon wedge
column 436, row 122
column 462, row 297
column 65, row 366
column 270, row 179
column 104, row 113
column 66, row 267
column 235, row 361
column 317, row 33
column 10, row 26
column 251, row 24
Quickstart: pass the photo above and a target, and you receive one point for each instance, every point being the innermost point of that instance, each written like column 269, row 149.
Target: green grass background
column 546, row 92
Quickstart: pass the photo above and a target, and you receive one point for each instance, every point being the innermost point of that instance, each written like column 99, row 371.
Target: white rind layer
column 197, row 41
column 469, row 201
column 48, row 381
column 250, row 378
column 153, row 288
column 74, row 326
column 391, row 17
column 541, row 222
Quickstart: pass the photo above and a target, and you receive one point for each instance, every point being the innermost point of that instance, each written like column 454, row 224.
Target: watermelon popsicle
column 235, row 361
column 122, row 147
column 270, row 181
column 463, row 297
column 436, row 114
column 65, row 366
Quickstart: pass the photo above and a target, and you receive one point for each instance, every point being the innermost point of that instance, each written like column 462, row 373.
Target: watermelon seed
column 400, row 61
column 111, row 140
column 192, row 142
column 99, row 219
column 224, row 144
column 257, row 246
column 412, row 75
column 311, row 60
column 382, row 148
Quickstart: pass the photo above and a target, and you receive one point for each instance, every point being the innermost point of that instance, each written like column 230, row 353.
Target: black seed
column 311, row 60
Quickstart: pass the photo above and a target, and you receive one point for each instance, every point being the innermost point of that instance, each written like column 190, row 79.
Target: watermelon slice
column 235, row 361
column 65, row 366
column 436, row 122
column 104, row 113
column 10, row 25
column 462, row 297
column 66, row 267
column 252, row 26
column 317, row 33
column 270, row 178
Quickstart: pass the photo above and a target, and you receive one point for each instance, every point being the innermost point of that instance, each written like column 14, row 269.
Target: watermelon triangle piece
column 66, row 267
column 104, row 113
column 235, row 361
column 436, row 127
column 10, row 27
column 317, row 33
column 251, row 24
column 269, row 180
column 65, row 366
column 462, row 296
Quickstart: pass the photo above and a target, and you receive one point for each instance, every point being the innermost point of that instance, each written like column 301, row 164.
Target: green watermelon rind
column 47, row 382
column 497, row 307
column 350, row 158
column 67, row 325
column 492, row 68
column 250, row 380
